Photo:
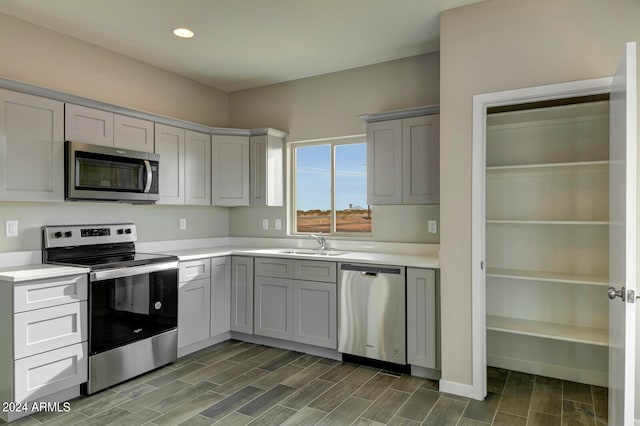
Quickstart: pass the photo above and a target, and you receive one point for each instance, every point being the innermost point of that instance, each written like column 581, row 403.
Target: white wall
column 48, row 59
column 328, row 106
column 498, row 45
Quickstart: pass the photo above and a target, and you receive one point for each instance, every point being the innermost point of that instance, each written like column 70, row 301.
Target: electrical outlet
column 278, row 224
column 11, row 228
column 265, row 224
column 183, row 223
column 433, row 226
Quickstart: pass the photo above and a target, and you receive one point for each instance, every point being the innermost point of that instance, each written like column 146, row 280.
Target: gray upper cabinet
column 169, row 143
column 32, row 147
column 98, row 127
column 421, row 160
column 384, row 162
column 229, row 170
column 88, row 125
column 133, row 133
column 403, row 158
column 197, row 147
column 267, row 178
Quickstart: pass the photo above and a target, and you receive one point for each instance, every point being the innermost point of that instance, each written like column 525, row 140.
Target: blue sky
column 313, row 186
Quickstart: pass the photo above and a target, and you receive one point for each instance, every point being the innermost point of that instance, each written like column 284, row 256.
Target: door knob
column 613, row 293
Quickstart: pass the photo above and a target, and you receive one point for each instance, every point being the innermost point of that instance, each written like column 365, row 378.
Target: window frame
column 333, row 142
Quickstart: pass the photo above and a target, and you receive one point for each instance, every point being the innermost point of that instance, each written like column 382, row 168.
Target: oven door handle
column 132, row 270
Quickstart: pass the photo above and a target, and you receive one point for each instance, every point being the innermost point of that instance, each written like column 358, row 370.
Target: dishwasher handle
column 371, row 271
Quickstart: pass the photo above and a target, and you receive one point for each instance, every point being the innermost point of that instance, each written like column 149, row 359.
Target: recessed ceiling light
column 183, row 32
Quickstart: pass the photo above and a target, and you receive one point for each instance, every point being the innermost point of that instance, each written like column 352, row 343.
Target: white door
column 622, row 241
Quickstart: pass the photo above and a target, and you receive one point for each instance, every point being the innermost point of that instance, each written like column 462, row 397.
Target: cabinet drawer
column 40, row 375
column 194, row 270
column 50, row 292
column 45, row 329
column 312, row 270
column 274, row 267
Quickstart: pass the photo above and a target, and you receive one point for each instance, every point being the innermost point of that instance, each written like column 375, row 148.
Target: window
column 329, row 187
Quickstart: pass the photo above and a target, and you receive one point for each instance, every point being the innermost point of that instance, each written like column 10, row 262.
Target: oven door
column 131, row 304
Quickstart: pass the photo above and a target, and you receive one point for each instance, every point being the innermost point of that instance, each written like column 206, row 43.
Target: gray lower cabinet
column 422, row 318
column 43, row 346
column 273, row 307
column 314, row 313
column 242, row 294
column 296, row 300
column 194, row 301
column 220, row 295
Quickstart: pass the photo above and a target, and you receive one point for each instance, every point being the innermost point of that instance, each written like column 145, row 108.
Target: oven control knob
column 127, row 231
column 158, row 305
column 67, row 234
column 120, row 231
column 57, row 234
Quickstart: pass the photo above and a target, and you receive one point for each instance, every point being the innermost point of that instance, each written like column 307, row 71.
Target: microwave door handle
column 147, row 166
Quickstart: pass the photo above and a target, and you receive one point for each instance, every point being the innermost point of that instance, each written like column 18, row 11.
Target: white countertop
column 414, row 261
column 16, row 274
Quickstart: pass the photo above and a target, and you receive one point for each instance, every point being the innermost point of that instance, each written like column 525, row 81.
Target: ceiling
column 240, row 44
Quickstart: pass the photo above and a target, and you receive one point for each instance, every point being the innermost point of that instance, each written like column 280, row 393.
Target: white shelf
column 548, row 222
column 558, row 277
column 578, row 164
column 548, row 330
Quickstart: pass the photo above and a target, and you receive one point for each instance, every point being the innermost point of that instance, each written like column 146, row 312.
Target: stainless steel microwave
column 94, row 172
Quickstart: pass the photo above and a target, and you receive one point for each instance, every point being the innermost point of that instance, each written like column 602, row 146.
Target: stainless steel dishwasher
column 371, row 315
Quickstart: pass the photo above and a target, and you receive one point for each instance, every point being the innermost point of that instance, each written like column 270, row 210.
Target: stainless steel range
column 133, row 299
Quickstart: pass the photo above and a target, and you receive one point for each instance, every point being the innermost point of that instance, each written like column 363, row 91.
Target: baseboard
column 455, row 388
column 572, row 374
column 288, row 345
column 195, row 347
column 427, row 373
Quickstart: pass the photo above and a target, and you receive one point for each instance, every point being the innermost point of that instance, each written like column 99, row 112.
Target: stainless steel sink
column 309, row 252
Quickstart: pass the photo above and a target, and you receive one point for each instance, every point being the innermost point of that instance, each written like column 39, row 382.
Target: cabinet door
column 273, row 313
column 194, row 310
column 422, row 318
column 169, row 143
column 46, row 329
column 197, row 168
column 313, row 270
column 133, row 133
column 421, row 160
column 39, row 294
column 242, row 294
column 267, row 178
column 230, row 170
column 220, row 295
column 274, row 267
column 88, row 125
column 194, row 270
column 31, row 147
column 50, row 372
column 384, row 162
column 314, row 313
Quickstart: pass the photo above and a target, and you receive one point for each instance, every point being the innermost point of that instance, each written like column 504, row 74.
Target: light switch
column 11, row 228
column 265, row 224
column 278, row 224
column 183, row 223
column 433, row 226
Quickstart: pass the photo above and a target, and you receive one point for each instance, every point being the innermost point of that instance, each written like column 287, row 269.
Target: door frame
column 478, row 196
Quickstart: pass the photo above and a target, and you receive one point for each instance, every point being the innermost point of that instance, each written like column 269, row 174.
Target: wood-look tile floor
column 236, row 383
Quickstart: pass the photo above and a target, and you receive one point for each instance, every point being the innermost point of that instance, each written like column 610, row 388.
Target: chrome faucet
column 320, row 238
